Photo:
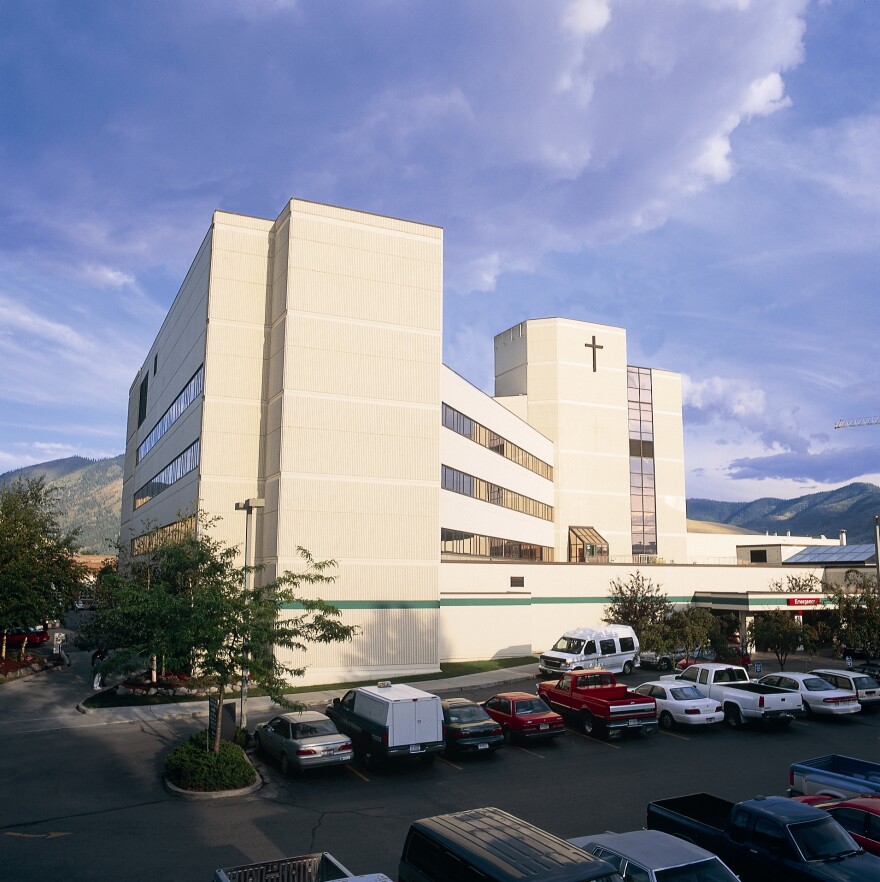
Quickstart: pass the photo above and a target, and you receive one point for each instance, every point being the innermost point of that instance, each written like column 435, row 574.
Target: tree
column 858, row 616
column 39, row 573
column 798, row 583
column 683, row 629
column 187, row 602
column 637, row 602
column 781, row 633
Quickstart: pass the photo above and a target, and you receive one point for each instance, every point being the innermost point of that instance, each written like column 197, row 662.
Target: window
column 187, row 462
column 475, row 545
column 769, row 835
column 606, row 647
column 477, row 488
column 852, row 820
column 464, row 425
column 142, row 402
column 758, row 555
column 517, row 581
column 155, row 363
column 190, row 393
column 627, row 644
column 423, row 854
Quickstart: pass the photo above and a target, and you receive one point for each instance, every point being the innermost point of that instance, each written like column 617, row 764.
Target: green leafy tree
column 781, row 633
column 39, row 573
column 687, row 629
column 187, row 603
column 637, row 602
column 858, row 615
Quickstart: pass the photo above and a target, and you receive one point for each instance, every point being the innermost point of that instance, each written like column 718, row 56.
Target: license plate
column 632, row 722
column 415, row 748
column 544, row 726
column 872, row 692
column 482, row 746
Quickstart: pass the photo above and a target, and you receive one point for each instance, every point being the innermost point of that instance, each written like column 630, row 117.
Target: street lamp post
column 248, row 506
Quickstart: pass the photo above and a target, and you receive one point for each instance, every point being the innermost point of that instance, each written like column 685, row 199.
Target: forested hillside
column 851, row 508
column 89, row 497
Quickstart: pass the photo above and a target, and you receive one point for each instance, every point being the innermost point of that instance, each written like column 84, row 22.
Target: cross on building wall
column 594, row 346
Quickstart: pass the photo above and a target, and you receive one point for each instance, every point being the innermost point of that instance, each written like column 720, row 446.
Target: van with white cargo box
column 614, row 648
column 390, row 721
column 490, row 845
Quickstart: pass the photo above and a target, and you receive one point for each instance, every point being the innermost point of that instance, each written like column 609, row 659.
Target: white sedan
column 681, row 703
column 819, row 696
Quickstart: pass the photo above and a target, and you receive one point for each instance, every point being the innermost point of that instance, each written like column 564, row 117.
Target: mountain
column 89, row 497
column 851, row 508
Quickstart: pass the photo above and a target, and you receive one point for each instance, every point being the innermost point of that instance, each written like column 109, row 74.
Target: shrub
column 193, row 766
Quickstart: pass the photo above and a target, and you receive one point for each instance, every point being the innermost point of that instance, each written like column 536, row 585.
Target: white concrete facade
column 300, row 363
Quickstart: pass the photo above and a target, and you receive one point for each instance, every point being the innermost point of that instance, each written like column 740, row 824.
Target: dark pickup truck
column 767, row 839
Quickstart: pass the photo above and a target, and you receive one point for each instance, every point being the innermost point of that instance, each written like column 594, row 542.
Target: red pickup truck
column 600, row 704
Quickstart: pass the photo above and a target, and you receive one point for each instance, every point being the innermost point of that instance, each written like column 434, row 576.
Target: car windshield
column 685, row 693
column 313, row 728
column 822, row 839
column 569, row 644
column 711, row 870
column 467, row 713
column 817, row 684
column 529, row 706
column 866, row 683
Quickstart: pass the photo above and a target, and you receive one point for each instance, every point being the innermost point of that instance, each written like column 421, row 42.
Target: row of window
column 458, row 542
column 175, row 532
column 468, row 485
column 464, row 425
column 187, row 462
column 190, row 393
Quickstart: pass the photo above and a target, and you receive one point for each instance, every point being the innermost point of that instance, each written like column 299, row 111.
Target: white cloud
column 587, row 17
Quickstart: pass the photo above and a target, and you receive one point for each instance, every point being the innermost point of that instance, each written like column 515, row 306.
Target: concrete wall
column 481, row 616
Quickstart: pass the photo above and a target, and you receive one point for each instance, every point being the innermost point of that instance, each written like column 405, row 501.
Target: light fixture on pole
column 248, row 507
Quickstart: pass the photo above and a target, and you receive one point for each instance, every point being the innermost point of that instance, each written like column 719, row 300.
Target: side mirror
column 336, row 702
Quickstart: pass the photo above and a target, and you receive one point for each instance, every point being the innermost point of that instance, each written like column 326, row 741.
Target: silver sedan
column 303, row 740
column 819, row 696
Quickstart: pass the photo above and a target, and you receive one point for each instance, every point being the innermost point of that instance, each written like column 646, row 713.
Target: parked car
column 872, row 669
column 867, row 688
column 681, row 703
column 834, row 776
column 599, row 705
column 523, row 716
column 735, row 653
column 303, row 740
column 613, row 648
column 467, row 728
column 35, row 636
column 390, row 721
column 819, row 696
column 860, row 817
column 661, row 661
column 654, row 856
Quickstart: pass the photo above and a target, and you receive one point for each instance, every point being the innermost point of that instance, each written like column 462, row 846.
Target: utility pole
column 248, row 506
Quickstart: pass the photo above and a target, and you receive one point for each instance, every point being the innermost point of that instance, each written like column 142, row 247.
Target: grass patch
column 451, row 669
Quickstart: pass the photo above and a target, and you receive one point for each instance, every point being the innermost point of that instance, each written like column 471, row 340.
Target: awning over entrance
column 761, row 601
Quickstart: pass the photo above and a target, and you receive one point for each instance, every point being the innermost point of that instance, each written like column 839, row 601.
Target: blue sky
column 704, row 173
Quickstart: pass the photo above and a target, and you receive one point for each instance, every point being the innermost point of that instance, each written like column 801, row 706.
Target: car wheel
column 733, row 717
column 285, row 764
column 665, row 664
column 666, row 720
column 627, row 667
column 588, row 723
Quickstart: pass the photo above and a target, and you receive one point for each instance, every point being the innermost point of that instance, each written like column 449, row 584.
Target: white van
column 612, row 648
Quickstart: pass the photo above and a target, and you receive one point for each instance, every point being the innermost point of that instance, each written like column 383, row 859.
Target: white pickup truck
column 743, row 700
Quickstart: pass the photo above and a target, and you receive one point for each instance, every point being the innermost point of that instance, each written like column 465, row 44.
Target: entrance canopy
column 761, row 601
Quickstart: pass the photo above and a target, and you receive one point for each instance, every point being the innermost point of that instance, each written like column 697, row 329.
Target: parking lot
column 88, row 803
